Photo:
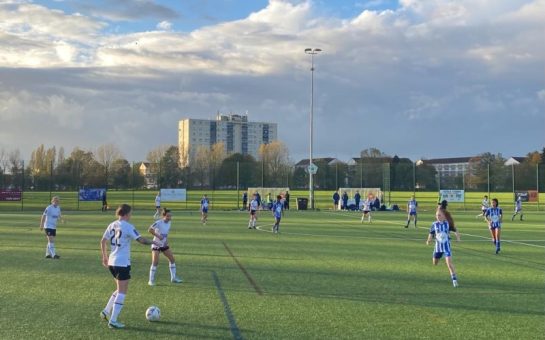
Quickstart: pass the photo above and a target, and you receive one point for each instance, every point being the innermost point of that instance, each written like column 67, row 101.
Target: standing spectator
column 245, row 199
column 345, row 201
column 49, row 220
column 336, row 199
column 258, row 199
column 157, row 206
column 518, row 208
column 494, row 216
column 287, row 201
column 104, row 201
column 357, row 198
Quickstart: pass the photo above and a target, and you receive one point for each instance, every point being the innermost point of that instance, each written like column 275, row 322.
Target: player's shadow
column 186, row 327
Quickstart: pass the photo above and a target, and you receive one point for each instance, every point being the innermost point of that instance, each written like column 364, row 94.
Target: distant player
column 277, row 209
column 411, row 211
column 518, row 208
column 440, row 231
column 205, row 203
column 485, row 204
column 160, row 229
column 366, row 208
column 252, row 207
column 494, row 216
column 157, row 206
column 119, row 235
column 49, row 220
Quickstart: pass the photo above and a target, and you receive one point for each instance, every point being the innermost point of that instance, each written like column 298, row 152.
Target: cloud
column 130, row 10
column 397, row 79
column 164, row 26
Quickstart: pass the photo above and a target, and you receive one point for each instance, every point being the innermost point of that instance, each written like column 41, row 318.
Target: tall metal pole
column 312, row 52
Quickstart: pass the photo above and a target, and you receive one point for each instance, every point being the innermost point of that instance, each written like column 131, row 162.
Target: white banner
column 452, row 195
column 173, row 195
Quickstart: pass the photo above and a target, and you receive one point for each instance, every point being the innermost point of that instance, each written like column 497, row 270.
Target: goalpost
column 364, row 192
column 265, row 191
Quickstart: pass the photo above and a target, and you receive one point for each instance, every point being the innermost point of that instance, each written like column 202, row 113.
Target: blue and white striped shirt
column 439, row 227
column 494, row 215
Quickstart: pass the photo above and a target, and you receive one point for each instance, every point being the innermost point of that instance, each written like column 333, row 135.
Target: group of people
column 277, row 207
column 118, row 237
column 268, row 202
column 343, row 202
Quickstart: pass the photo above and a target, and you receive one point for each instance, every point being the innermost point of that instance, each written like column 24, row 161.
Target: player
column 485, row 204
column 159, row 229
column 494, row 217
column 254, row 205
column 277, row 209
column 49, row 220
column 518, row 208
column 440, row 230
column 367, row 209
column 443, row 207
column 157, row 206
column 205, row 202
column 119, row 235
column 411, row 211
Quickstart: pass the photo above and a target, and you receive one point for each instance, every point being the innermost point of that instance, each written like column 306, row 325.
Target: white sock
column 152, row 271
column 253, row 223
column 118, row 306
column 109, row 305
column 172, row 267
column 51, row 248
column 47, row 249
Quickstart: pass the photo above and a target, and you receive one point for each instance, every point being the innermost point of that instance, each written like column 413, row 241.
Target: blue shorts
column 495, row 227
column 252, row 212
column 160, row 249
column 204, row 210
column 412, row 213
column 438, row 255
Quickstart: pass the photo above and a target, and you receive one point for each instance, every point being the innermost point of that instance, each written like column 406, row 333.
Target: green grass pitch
column 325, row 276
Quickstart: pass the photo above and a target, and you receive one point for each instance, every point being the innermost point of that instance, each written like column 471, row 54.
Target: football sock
column 453, row 276
column 51, row 247
column 118, row 306
column 152, row 270
column 110, row 304
column 172, row 268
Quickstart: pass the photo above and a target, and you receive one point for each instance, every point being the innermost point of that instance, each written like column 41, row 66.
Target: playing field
column 326, row 276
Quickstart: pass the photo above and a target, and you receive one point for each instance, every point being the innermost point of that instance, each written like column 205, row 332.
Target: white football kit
column 52, row 214
column 120, row 234
column 162, row 228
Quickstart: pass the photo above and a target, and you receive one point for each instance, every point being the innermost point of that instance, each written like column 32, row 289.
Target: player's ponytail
column 165, row 211
column 123, row 210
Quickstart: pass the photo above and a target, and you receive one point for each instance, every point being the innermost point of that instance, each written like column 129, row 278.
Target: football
column 441, row 237
column 153, row 313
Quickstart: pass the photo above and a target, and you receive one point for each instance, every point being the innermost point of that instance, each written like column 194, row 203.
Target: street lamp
column 311, row 169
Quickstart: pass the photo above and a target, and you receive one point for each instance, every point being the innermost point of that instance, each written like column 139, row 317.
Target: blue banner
column 91, row 194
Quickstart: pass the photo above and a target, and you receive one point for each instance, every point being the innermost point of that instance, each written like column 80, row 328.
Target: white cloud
column 164, row 26
column 424, row 66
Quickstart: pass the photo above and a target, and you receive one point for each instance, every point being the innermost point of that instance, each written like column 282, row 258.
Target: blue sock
column 498, row 244
column 453, row 276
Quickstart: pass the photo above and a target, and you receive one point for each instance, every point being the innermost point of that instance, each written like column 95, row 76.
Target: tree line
column 212, row 168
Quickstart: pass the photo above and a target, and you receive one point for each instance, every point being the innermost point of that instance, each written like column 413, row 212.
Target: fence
column 138, row 182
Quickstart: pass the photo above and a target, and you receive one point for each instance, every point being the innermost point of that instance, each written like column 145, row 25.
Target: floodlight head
column 308, row 50
column 317, row 50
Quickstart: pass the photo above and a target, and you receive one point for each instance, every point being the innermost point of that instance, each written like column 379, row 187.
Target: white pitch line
column 509, row 241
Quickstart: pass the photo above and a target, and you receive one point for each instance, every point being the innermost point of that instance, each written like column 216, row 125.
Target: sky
column 413, row 78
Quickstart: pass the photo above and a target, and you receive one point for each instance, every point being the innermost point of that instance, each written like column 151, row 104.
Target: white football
column 153, row 313
column 441, row 237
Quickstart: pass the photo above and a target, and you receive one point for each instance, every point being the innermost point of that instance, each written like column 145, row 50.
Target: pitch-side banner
column 452, row 195
column 91, row 194
column 10, row 195
column 173, row 195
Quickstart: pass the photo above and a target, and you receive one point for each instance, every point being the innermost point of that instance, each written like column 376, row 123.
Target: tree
column 171, row 175
column 216, row 157
column 121, row 173
column 484, row 164
column 106, row 155
column 372, row 153
column 228, row 171
column 275, row 160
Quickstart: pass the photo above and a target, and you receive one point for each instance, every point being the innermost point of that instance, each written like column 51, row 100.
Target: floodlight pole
column 312, row 52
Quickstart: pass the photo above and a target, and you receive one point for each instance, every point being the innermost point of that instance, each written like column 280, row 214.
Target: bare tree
column 155, row 155
column 106, row 155
column 275, row 158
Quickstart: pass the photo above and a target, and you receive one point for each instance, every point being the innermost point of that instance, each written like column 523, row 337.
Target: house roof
column 327, row 160
column 447, row 160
